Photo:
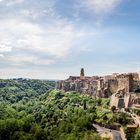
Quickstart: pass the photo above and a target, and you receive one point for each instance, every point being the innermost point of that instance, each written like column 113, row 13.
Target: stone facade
column 139, row 75
column 129, row 84
column 118, row 87
column 130, row 99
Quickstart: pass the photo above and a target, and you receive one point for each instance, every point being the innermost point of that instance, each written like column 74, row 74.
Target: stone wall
column 101, row 86
column 139, row 75
column 123, row 83
column 113, row 85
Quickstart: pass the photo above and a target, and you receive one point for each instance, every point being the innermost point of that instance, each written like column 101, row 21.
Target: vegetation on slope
column 32, row 110
column 15, row 90
column 52, row 115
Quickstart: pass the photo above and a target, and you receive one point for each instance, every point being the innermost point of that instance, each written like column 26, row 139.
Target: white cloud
column 25, row 73
column 11, row 2
column 47, row 73
column 13, row 32
column 1, row 56
column 55, row 40
column 5, row 47
column 35, row 38
column 19, row 59
column 37, row 12
column 24, row 34
column 101, row 6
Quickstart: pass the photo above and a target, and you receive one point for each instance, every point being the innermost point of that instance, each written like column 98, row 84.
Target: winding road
column 116, row 134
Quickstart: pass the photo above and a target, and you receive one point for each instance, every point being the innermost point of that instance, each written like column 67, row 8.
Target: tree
column 84, row 104
column 113, row 108
column 137, row 135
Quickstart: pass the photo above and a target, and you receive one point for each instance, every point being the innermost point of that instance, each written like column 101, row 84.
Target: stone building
column 139, row 75
column 125, row 81
column 128, row 91
column 82, row 83
column 130, row 99
column 121, row 88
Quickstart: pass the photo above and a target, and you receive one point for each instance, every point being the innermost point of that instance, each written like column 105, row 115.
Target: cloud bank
column 37, row 37
column 101, row 6
column 26, row 38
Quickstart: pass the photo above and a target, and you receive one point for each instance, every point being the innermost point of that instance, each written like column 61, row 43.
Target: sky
column 53, row 39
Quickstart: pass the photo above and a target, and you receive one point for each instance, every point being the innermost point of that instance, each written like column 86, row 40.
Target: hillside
column 14, row 90
column 33, row 110
column 52, row 115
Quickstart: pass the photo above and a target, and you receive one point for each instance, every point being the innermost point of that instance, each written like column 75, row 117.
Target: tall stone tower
column 82, row 75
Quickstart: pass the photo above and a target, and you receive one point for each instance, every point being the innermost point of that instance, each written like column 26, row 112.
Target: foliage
column 15, row 90
column 51, row 115
column 137, row 134
column 132, row 135
column 124, row 119
column 33, row 110
column 137, row 111
column 113, row 108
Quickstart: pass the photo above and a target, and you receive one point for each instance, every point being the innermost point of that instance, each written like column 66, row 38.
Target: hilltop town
column 123, row 89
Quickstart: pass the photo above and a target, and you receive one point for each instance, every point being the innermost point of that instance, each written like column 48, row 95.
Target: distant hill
column 17, row 89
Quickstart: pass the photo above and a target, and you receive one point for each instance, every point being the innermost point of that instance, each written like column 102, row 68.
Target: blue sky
column 52, row 39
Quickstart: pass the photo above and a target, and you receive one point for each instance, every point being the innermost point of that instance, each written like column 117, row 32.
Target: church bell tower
column 82, row 75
